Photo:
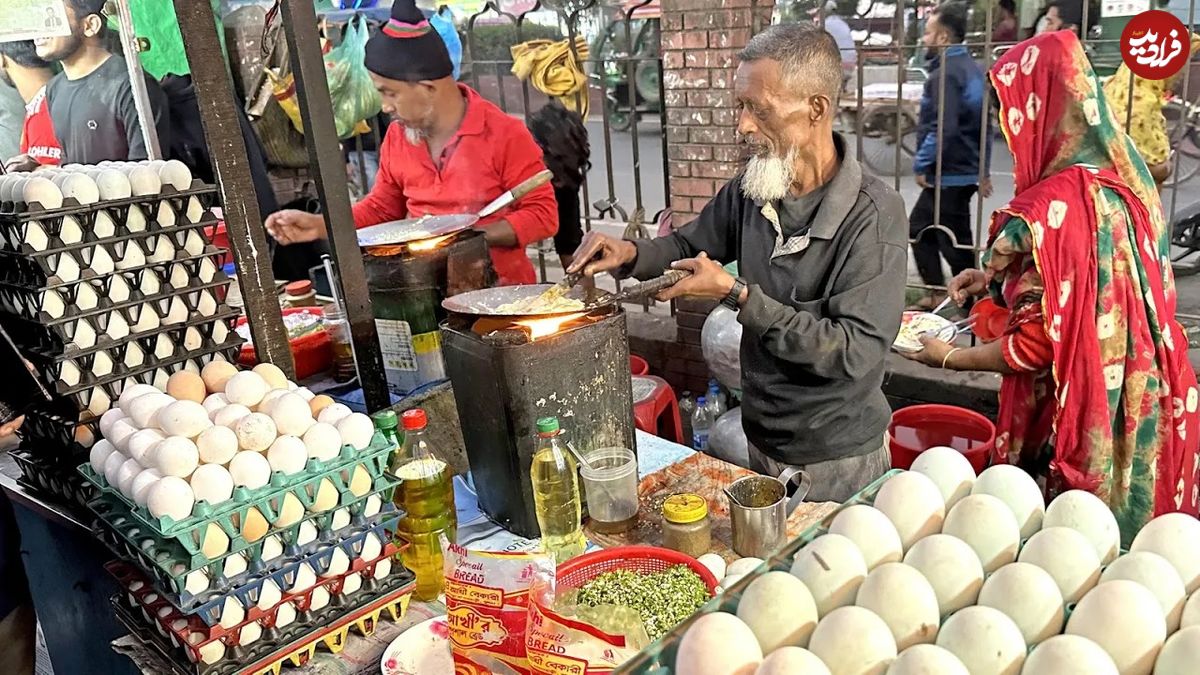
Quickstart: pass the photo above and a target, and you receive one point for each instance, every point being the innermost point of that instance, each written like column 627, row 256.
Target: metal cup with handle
column 759, row 508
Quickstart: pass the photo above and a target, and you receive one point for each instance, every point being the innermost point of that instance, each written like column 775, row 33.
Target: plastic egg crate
column 57, row 430
column 49, row 477
column 189, row 581
column 278, row 640
column 351, row 475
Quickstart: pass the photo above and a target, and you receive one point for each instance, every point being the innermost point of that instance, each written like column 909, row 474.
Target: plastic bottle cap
column 684, row 508
column 700, row 400
column 386, row 419
column 297, row 288
column 547, row 425
column 413, row 419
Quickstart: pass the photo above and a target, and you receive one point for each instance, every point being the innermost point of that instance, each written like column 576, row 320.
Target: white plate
column 423, row 649
column 915, row 324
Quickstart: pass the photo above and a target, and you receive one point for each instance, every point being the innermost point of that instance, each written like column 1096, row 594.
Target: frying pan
column 427, row 227
column 488, row 301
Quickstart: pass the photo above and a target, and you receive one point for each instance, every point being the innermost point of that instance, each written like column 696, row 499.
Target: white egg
column 184, row 418
column 268, row 401
column 1083, row 511
column 779, row 609
column 871, row 531
column 285, row 615
column 740, row 653
column 832, row 568
column 951, row 567
column 714, row 562
column 246, row 388
column 99, row 453
column 1157, row 575
column 985, row 640
column 211, row 483
column 339, row 563
column 306, row 534
column 351, row 584
column 382, row 569
column 141, row 443
column 271, row 548
column 988, row 527
column 125, row 475
column 1068, row 556
column 269, row 596
column 171, row 496
column 1181, row 654
column 1028, row 595
column 743, row 566
column 230, row 415
column 332, row 414
column 250, row 470
column 133, row 392
column 322, row 441
column 356, row 430
column 176, row 456
column 305, row 579
column 143, row 483
column 728, row 582
column 927, row 660
column 292, row 415
column 272, row 375
column 235, row 565
column 372, row 548
column 305, row 393
column 217, row 445
column 949, row 470
column 853, row 640
column 1069, row 655
column 214, row 402
column 287, row 455
column 1191, row 612
column 1011, row 485
column 109, row 417
column 255, row 432
column 914, row 505
column 120, row 432
column 1126, row 620
column 1176, row 537
column 250, row 633
column 232, row 613
column 900, row 595
column 790, row 660
column 112, row 467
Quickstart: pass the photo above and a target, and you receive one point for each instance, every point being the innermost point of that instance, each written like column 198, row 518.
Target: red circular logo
column 1155, row 45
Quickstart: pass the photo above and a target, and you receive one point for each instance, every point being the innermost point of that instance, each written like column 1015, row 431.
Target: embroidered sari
column 1079, row 256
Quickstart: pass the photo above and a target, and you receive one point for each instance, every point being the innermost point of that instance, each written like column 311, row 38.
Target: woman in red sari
column 1097, row 392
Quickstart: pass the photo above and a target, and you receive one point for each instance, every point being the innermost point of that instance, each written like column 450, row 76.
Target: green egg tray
column 267, row 500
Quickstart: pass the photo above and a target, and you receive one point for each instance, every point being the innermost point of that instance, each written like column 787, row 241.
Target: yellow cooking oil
column 555, row 479
column 426, row 496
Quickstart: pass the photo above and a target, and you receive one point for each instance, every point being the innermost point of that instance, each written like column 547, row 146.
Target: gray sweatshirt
column 824, row 306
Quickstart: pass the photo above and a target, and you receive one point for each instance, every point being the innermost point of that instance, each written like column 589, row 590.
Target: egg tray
column 170, row 566
column 198, row 195
column 52, row 479
column 295, row 643
column 55, row 432
column 268, row 499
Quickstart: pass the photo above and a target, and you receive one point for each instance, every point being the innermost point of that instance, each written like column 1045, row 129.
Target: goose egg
column 186, row 386
column 332, row 414
column 696, row 655
column 743, row 566
column 779, row 609
column 214, row 402
column 256, row 432
column 171, row 496
column 207, row 306
column 42, row 191
column 165, row 215
column 987, row 525
column 951, row 567
column 118, row 290
column 111, row 184
column 322, row 441
column 713, row 561
column 86, row 298
column 148, row 321
column 339, row 564
column 351, row 584
column 832, row 568
column 272, row 375
column 176, row 456
column 143, row 180
column 1028, row 595
column 269, row 596
column 1157, row 575
column 36, row 237
column 105, row 227
column 230, row 415
column 287, row 455
column 788, row 660
column 196, row 582
column 134, row 356
column 914, row 505
column 292, row 416
column 164, row 250
column 211, row 483
column 141, row 443
column 1191, row 612
column 143, row 483
column 852, row 640
column 133, row 257
column 290, row 511
column 69, row 374
column 246, row 388
column 1069, row 655
column 318, row 403
column 356, row 430
column 144, row 410
column 901, row 596
column 120, row 432
column 133, row 392
column 179, row 277
column 112, row 467
column 99, row 453
column 1181, row 654
column 217, row 445
column 125, row 475
column 211, row 652
column 108, row 419
column 71, row 231
column 250, row 470
column 949, row 470
column 78, row 186
column 102, row 262
column 184, row 418
column 208, row 271
column 53, row 305
column 267, row 403
column 1011, row 485
column 1068, row 556
column 177, row 313
column 1126, row 621
column 68, row 270
column 927, row 660
column 304, row 393
column 871, row 531
column 1176, row 537
column 985, row 640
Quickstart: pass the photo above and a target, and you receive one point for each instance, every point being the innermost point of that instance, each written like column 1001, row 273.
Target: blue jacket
column 961, row 119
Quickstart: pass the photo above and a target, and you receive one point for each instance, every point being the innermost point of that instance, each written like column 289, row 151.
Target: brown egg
column 185, row 386
column 319, row 403
column 273, row 375
column 216, row 374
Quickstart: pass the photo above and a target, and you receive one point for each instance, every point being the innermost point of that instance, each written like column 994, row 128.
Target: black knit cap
column 407, row 48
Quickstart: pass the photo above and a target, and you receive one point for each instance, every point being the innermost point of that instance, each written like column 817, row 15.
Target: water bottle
column 716, row 398
column 687, row 406
column 702, row 421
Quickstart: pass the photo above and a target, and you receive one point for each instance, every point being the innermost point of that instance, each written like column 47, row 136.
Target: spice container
column 610, row 481
column 300, row 294
column 338, row 329
column 686, row 527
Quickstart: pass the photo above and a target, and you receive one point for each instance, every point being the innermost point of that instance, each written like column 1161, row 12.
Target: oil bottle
column 426, row 495
column 555, row 478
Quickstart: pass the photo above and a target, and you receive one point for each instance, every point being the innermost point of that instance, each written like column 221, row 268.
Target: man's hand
column 985, row 188
column 9, row 428
column 20, row 164
column 922, row 181
column 293, row 227
column 967, row 284
column 708, row 280
column 601, row 253
column 934, row 353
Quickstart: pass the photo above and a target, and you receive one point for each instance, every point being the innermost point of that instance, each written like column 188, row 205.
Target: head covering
column 1087, row 212
column 407, row 48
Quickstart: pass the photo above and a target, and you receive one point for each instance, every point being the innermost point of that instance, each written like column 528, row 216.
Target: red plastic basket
column 645, row 559
column 313, row 352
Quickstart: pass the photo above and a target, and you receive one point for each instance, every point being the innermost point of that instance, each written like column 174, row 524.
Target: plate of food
column 423, row 649
column 915, row 324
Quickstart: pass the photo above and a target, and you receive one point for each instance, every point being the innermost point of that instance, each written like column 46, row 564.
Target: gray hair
column 807, row 55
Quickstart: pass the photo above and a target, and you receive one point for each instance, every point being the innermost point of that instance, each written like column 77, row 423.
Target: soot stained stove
column 509, row 373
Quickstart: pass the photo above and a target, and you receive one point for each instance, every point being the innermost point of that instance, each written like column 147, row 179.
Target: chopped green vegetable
column 662, row 600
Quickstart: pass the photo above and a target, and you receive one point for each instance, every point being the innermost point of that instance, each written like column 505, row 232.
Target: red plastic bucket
column 638, row 365
column 917, row 428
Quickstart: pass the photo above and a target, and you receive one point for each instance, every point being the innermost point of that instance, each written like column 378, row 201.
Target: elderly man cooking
column 822, row 250
column 449, row 151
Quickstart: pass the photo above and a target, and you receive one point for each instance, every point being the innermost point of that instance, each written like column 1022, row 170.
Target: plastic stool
column 656, row 409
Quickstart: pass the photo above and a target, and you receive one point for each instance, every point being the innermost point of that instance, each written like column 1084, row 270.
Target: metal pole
column 329, row 173
column 222, row 131
column 137, row 78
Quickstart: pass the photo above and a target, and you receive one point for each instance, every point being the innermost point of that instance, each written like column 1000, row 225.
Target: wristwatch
column 735, row 294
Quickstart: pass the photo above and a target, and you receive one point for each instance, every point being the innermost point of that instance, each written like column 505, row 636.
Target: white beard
column 769, row 178
column 414, row 136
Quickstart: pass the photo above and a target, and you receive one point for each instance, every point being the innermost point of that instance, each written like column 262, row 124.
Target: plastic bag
column 444, row 25
column 350, row 87
column 727, row 440
column 721, row 343
column 487, row 607
column 565, row 637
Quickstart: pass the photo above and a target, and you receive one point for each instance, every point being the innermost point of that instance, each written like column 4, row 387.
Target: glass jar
column 344, row 368
column 300, row 294
column 686, row 527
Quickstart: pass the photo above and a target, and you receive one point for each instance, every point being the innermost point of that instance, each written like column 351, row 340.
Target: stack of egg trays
column 267, row 500
column 217, row 651
column 40, row 474
column 190, row 580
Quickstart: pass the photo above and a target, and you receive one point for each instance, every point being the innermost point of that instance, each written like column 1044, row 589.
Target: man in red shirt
column 448, row 151
column 20, row 65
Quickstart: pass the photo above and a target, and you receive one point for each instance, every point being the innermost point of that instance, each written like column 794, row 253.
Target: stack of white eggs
column 88, row 184
column 949, row 573
column 215, row 431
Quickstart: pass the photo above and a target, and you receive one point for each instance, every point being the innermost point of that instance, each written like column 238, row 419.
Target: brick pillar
column 700, row 40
